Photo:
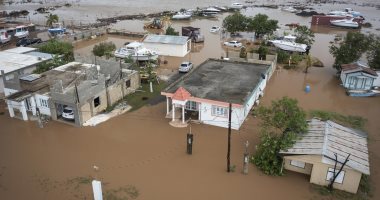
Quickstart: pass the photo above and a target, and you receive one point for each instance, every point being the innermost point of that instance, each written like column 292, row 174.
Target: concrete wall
column 168, row 49
column 206, row 117
column 351, row 178
column 117, row 90
column 306, row 170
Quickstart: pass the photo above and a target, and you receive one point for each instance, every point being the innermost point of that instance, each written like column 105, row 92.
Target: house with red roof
column 204, row 94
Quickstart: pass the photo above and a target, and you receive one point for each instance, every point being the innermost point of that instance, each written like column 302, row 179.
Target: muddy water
column 141, row 149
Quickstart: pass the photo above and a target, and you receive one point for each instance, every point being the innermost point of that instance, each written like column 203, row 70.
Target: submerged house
column 314, row 154
column 359, row 77
column 87, row 89
column 204, row 93
column 168, row 45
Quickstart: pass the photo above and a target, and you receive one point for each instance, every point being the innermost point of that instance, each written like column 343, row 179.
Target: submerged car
column 233, row 43
column 68, row 113
column 215, row 29
column 185, row 67
column 28, row 41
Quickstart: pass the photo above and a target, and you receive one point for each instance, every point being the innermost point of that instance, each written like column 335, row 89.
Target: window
column 330, row 174
column 128, row 83
column 96, row 102
column 297, row 163
column 219, row 111
column 191, row 105
column 44, row 103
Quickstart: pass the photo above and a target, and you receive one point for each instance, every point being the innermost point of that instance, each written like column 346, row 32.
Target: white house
column 22, row 60
column 204, row 94
column 359, row 77
column 168, row 45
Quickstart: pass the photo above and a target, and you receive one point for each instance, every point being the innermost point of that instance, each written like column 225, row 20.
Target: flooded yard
column 141, row 150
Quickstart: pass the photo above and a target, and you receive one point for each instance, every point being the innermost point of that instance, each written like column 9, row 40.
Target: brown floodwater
column 141, row 149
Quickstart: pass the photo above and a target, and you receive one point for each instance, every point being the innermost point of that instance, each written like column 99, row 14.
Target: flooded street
column 141, row 149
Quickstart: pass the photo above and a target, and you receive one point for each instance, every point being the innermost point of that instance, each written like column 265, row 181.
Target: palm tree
column 51, row 18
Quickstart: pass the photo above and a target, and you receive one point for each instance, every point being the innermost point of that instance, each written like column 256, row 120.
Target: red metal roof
column 181, row 94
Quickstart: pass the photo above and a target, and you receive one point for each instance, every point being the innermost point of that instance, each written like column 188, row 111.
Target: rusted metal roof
column 354, row 67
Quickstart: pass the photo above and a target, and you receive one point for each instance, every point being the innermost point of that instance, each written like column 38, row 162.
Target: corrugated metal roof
column 327, row 138
column 20, row 50
column 166, row 39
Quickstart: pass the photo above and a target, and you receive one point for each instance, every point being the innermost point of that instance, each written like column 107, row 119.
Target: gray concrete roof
column 166, row 39
column 327, row 138
column 220, row 80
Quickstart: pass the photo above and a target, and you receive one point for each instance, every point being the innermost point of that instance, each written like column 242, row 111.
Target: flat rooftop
column 21, row 50
column 166, row 39
column 11, row 60
column 220, row 80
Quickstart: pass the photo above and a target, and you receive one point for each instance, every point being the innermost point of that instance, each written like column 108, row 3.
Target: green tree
column 262, row 25
column 50, row 19
column 350, row 50
column 262, row 51
column 65, row 49
column 280, row 125
column 304, row 35
column 104, row 49
column 235, row 22
column 373, row 54
column 171, row 31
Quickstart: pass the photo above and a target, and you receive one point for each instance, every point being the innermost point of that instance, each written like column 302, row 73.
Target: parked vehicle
column 21, row 32
column 193, row 33
column 23, row 42
column 57, row 28
column 215, row 29
column 4, row 37
column 68, row 113
column 237, row 5
column 185, row 67
column 233, row 43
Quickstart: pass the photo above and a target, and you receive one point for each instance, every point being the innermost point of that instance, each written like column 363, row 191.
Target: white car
column 215, row 29
column 237, row 5
column 185, row 67
column 233, row 43
column 68, row 113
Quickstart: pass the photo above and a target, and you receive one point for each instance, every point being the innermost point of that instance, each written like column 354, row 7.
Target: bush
column 171, row 31
column 64, row 49
column 104, row 49
column 282, row 56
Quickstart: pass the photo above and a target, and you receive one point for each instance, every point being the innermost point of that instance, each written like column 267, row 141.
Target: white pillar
column 183, row 114
column 34, row 105
column 199, row 111
column 173, row 112
column 167, row 105
column 10, row 109
column 23, row 111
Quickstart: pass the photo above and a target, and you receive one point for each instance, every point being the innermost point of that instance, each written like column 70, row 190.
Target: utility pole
column 246, row 158
column 229, row 139
column 190, row 141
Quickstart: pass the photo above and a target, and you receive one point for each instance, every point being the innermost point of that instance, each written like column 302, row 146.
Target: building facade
column 205, row 93
column 168, row 45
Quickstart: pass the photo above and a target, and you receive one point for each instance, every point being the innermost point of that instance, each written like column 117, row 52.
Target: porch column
column 183, row 114
column 10, row 109
column 199, row 111
column 34, row 105
column 173, row 112
column 23, row 111
column 167, row 105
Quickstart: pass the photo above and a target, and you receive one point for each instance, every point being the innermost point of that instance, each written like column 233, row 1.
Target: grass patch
column 141, row 98
column 355, row 122
column 364, row 191
column 122, row 193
